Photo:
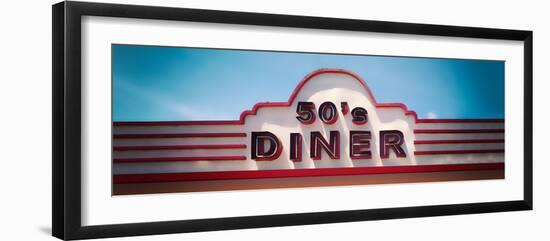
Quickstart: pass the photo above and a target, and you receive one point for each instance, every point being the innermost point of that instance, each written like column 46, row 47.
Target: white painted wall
column 26, row 120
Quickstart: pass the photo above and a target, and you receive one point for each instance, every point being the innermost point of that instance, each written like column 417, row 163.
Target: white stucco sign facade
column 331, row 126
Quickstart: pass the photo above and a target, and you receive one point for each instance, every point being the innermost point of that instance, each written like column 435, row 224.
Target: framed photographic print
column 170, row 120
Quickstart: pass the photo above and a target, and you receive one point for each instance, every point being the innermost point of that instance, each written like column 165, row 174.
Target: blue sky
column 152, row 83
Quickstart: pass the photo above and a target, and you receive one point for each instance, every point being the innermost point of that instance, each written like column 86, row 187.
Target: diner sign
column 330, row 132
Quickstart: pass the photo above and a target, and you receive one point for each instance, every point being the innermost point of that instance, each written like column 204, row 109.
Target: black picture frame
column 66, row 159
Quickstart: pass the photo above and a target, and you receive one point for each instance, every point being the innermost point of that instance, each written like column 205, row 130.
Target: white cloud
column 190, row 113
column 172, row 105
column 431, row 115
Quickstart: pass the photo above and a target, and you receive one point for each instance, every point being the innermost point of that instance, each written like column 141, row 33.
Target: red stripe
column 442, row 131
column 176, row 123
column 179, row 159
column 179, row 135
column 312, row 172
column 458, row 152
column 460, row 121
column 178, row 147
column 422, row 142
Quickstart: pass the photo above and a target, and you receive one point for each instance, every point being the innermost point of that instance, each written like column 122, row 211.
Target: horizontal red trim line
column 458, row 152
column 180, row 159
column 178, row 147
column 422, row 142
column 310, row 172
column 180, row 135
column 460, row 121
column 443, row 131
column 176, row 123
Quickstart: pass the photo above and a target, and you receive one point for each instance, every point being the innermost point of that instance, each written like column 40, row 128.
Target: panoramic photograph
column 188, row 119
